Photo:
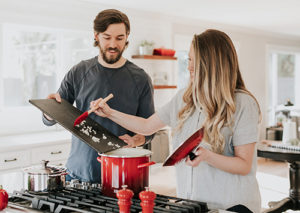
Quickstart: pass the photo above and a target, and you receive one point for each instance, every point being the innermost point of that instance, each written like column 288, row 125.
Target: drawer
column 18, row 159
column 58, row 163
column 50, row 153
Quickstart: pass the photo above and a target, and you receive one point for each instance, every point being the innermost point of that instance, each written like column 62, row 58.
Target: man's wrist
column 148, row 139
column 139, row 140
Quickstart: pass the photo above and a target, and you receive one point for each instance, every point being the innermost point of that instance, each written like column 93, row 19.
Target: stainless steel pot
column 44, row 178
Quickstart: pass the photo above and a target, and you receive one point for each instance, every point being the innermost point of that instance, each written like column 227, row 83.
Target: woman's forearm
column 240, row 163
column 234, row 165
column 137, row 124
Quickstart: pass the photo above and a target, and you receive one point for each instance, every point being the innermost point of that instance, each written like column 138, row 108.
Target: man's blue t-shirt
column 88, row 81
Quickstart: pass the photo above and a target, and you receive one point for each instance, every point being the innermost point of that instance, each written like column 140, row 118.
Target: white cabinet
column 50, row 153
column 20, row 158
column 16, row 159
column 17, row 152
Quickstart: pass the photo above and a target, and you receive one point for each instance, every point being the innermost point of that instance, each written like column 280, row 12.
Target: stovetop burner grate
column 79, row 200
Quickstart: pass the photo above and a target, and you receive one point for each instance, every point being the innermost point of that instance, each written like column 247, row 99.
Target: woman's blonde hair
column 217, row 78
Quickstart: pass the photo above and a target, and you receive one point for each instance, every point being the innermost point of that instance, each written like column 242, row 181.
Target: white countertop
column 11, row 142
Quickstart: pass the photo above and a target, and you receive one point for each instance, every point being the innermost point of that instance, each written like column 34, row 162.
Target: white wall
column 159, row 28
column 252, row 57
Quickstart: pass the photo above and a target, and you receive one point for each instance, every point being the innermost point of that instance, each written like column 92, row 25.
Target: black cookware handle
column 192, row 155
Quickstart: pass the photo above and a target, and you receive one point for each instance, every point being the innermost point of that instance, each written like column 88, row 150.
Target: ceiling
column 275, row 16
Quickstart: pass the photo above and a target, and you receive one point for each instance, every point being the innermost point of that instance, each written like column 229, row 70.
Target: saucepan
column 44, row 178
column 125, row 166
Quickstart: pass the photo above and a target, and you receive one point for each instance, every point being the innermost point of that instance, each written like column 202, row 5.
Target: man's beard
column 112, row 59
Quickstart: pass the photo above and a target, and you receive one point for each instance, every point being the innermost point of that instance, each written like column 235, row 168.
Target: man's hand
column 136, row 140
column 55, row 96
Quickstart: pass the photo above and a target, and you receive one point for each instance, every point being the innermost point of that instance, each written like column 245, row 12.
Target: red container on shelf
column 125, row 166
column 163, row 52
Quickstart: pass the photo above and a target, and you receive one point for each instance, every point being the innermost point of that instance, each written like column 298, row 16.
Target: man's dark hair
column 108, row 17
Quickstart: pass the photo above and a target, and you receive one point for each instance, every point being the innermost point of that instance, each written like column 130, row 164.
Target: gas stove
column 88, row 198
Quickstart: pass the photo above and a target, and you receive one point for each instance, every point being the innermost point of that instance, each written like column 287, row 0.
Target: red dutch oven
column 125, row 166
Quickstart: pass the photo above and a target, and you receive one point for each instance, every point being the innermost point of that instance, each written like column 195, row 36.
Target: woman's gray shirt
column 205, row 183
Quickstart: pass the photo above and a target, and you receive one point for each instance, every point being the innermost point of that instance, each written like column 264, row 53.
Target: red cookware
column 124, row 199
column 3, row 198
column 125, row 166
column 147, row 200
column 185, row 149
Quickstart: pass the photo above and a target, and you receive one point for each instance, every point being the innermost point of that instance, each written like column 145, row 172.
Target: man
column 109, row 72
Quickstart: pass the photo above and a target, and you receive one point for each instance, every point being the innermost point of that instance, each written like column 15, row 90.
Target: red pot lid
column 185, row 148
column 127, row 153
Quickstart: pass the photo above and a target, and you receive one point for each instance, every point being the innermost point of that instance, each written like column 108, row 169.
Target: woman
column 224, row 172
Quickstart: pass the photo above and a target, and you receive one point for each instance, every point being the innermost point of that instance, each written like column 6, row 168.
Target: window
column 182, row 46
column 183, row 73
column 284, row 78
column 35, row 60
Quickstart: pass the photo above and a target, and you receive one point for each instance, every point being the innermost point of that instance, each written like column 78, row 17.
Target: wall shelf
column 164, row 86
column 154, row 57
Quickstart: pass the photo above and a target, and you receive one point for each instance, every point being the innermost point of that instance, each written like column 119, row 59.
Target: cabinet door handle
column 6, row 161
column 56, row 153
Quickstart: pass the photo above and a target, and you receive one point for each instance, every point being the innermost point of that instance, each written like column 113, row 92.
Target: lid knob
column 124, row 195
column 147, row 200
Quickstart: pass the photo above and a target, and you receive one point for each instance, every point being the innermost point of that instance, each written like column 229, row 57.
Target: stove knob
column 68, row 183
column 74, row 182
column 78, row 186
column 85, row 183
column 96, row 186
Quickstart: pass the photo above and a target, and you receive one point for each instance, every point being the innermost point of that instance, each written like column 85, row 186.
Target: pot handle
column 99, row 159
column 55, row 175
column 146, row 164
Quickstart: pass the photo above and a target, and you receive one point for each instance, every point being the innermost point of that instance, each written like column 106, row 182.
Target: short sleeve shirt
column 88, row 81
column 205, row 183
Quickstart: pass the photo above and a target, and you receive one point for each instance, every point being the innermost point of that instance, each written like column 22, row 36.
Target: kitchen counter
column 11, row 142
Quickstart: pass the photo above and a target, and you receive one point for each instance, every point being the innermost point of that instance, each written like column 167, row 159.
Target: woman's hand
column 240, row 163
column 202, row 155
column 136, row 140
column 103, row 111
